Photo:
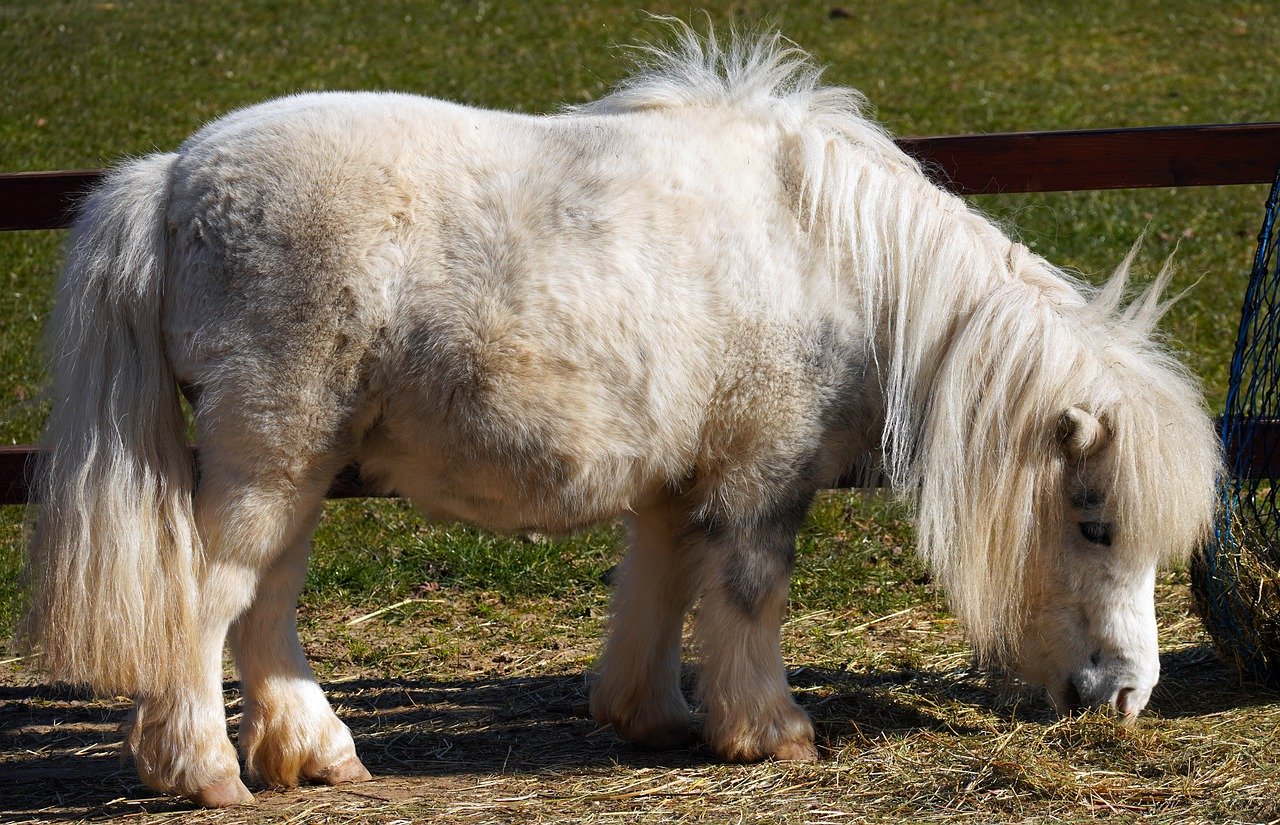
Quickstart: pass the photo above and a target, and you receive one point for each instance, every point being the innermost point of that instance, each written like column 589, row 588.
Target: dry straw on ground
column 496, row 730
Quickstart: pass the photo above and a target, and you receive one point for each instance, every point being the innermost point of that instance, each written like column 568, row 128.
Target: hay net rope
column 1236, row 578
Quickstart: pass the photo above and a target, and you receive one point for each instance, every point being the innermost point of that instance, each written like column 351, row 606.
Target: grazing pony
column 692, row 303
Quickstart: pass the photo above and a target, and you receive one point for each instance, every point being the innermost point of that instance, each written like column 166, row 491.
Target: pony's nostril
column 1124, row 702
column 1095, row 658
column 1071, row 699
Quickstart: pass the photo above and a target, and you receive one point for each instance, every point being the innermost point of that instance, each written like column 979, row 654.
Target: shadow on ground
column 59, row 747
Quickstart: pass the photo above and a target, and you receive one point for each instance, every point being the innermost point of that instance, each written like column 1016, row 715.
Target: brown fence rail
column 18, row 464
column 1160, row 156
column 967, row 164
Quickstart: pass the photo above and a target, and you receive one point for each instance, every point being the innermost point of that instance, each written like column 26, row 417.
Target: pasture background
column 470, row 698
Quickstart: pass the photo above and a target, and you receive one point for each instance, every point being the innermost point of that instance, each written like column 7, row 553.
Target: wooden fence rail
column 1161, row 156
column 966, row 164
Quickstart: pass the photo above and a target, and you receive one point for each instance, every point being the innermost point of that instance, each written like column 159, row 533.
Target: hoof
column 665, row 738
column 797, row 751
column 660, row 734
column 350, row 769
column 223, row 794
column 656, row 725
column 783, row 733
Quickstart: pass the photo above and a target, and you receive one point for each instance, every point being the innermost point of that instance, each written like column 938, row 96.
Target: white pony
column 692, row 303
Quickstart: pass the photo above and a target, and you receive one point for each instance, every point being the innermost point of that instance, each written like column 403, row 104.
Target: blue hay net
column 1237, row 575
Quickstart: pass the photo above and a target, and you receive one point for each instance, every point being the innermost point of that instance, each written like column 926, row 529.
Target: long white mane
column 981, row 344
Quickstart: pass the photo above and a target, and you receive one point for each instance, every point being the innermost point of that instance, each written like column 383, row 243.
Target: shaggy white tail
column 114, row 552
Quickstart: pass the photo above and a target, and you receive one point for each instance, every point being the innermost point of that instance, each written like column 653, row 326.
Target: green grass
column 389, row 553
column 92, row 82
column 855, row 549
column 481, row 663
column 89, row 83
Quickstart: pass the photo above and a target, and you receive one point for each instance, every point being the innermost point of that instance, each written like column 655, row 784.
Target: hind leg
column 252, row 502
column 178, row 739
column 742, row 683
column 637, row 689
column 288, row 732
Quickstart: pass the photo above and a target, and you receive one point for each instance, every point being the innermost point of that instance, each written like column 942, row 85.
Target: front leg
column 637, row 687
column 750, row 714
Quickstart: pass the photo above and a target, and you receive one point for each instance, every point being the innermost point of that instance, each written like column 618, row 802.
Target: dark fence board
column 968, row 164
column 15, row 473
column 1102, row 158
column 43, row 200
column 17, row 466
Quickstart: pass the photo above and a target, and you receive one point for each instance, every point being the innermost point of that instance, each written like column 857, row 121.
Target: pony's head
column 1075, row 456
column 1089, row 632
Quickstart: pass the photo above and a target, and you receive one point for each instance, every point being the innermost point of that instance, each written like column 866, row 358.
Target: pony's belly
column 498, row 506
column 502, row 495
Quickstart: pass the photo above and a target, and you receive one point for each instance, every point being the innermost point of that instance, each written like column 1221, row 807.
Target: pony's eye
column 1096, row 532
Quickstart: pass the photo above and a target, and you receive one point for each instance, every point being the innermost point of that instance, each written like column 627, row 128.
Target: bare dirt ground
column 493, row 727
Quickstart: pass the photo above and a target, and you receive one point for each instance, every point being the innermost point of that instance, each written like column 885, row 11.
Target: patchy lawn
column 468, row 699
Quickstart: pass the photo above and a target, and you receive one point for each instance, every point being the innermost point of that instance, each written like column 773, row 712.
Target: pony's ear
column 1081, row 433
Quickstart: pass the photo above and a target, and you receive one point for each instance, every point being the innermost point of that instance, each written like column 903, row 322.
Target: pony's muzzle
column 1118, row 689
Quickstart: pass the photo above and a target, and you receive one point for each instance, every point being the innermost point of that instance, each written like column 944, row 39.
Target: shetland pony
column 692, row 303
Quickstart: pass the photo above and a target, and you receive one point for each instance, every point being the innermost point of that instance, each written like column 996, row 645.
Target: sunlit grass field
column 86, row 84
